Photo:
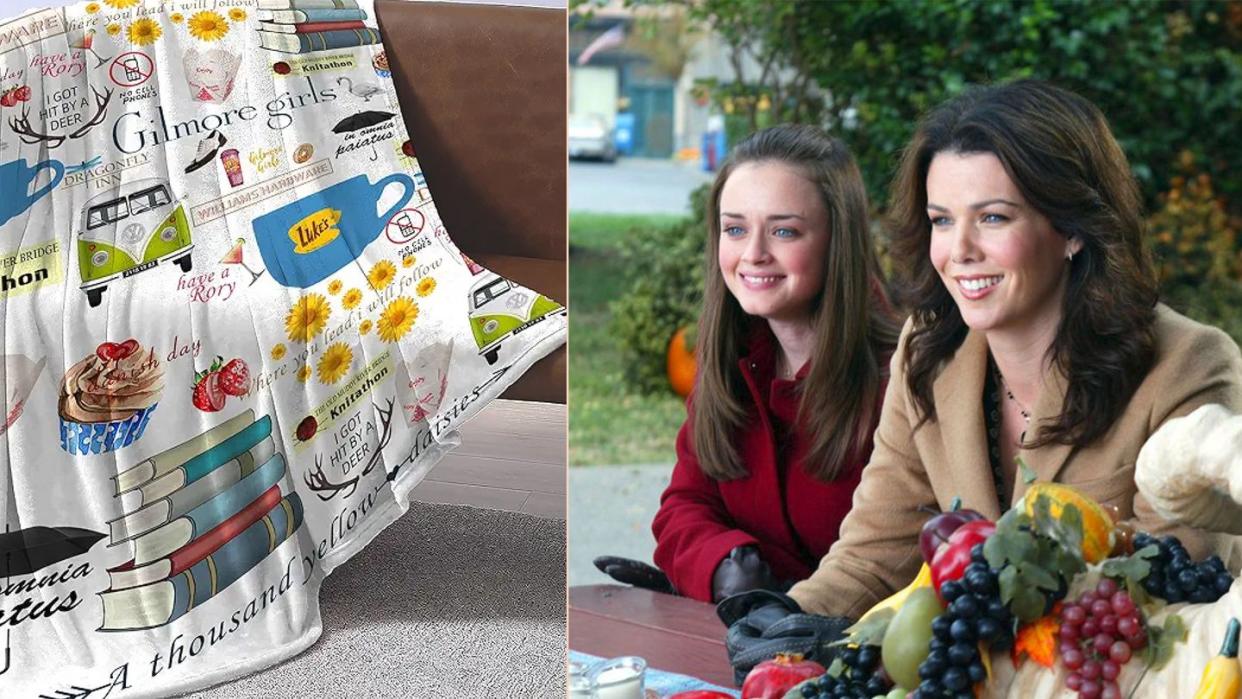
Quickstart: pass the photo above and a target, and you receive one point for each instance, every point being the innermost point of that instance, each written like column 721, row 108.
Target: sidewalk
column 610, row 511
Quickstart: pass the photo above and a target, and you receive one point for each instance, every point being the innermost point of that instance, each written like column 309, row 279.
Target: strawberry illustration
column 22, row 94
column 235, row 378
column 9, row 98
column 207, row 394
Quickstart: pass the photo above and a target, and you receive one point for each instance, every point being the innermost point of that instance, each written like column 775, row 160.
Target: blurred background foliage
column 1168, row 76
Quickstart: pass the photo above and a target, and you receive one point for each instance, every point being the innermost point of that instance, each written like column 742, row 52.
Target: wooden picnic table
column 674, row 634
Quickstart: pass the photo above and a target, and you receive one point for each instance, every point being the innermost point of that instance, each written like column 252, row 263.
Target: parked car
column 590, row 137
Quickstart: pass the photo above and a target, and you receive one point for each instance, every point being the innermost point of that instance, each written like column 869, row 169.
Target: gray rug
column 449, row 601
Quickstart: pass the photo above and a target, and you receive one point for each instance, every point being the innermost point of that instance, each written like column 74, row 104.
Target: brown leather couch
column 483, row 94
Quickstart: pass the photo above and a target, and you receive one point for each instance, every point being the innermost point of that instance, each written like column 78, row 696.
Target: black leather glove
column 740, row 571
column 763, row 623
column 636, row 573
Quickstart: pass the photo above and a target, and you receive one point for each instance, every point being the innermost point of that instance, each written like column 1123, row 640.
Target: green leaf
column 1162, row 641
column 1028, row 604
column 1039, row 577
column 870, row 629
column 1008, row 581
column 1028, row 473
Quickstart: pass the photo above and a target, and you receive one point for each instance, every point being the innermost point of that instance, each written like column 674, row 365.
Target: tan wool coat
column 878, row 552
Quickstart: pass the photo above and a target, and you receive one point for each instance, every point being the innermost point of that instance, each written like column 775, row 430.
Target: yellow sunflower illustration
column 145, row 31
column 364, row 327
column 92, row 8
column 334, row 287
column 113, row 29
column 397, row 319
column 176, row 18
column 307, row 318
column 208, row 26
column 351, row 298
column 381, row 274
column 304, row 373
column 335, row 363
column 120, row 4
column 237, row 14
column 278, row 352
column 407, row 261
column 425, row 286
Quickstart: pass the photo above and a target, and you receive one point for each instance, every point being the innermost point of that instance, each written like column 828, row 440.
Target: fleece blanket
column 234, row 334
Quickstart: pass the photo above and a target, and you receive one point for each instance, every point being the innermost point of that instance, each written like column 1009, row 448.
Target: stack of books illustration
column 203, row 514
column 301, row 26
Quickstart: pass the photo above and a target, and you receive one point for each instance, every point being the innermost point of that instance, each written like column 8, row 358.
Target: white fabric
column 248, row 401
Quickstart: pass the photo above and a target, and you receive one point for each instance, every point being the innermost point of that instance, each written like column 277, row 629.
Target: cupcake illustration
column 106, row 400
column 380, row 63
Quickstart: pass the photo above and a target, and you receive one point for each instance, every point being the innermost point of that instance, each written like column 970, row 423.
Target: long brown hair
column 1057, row 148
column 853, row 327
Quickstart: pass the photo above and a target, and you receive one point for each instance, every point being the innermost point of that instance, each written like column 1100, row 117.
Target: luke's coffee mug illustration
column 16, row 179
column 304, row 242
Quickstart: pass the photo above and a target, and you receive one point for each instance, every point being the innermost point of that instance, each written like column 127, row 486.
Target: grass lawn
column 607, row 423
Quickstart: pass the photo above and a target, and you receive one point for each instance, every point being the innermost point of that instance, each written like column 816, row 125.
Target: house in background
column 639, row 74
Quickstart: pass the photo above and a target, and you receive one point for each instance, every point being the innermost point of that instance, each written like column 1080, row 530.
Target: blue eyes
column 738, row 232
column 942, row 221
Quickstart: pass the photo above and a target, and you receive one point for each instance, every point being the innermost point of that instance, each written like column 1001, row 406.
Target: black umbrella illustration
column 362, row 120
column 27, row 550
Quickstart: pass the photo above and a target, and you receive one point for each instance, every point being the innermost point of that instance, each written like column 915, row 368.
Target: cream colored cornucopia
column 1191, row 472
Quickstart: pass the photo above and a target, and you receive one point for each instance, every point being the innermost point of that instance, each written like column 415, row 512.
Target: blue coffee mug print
column 16, row 177
column 305, row 242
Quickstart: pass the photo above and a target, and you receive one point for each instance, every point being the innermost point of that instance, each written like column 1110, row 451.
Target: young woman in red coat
column 794, row 340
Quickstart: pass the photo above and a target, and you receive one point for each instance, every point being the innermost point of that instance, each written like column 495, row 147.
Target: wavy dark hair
column 854, row 328
column 1057, row 148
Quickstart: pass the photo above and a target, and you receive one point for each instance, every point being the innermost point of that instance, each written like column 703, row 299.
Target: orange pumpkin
column 681, row 364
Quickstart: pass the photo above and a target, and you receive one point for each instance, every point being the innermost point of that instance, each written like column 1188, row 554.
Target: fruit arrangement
column 1052, row 600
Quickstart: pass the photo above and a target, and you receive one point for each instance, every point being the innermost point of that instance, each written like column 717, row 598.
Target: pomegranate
column 771, row 679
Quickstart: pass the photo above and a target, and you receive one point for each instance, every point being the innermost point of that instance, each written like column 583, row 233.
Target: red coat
column 792, row 517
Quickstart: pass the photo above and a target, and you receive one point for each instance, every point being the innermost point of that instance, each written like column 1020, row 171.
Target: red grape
column 1108, row 624
column 1128, row 626
column 1086, row 599
column 1122, row 604
column 1074, row 681
column 1090, row 627
column 1100, row 607
column 1101, row 643
column 1109, row 670
column 1119, row 652
column 1072, row 658
column 1106, row 587
column 1069, row 634
column 1139, row 642
column 1090, row 670
column 1110, row 691
column 1090, row 689
column 1073, row 614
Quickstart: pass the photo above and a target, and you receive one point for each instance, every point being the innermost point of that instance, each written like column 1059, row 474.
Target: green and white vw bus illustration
column 499, row 310
column 130, row 230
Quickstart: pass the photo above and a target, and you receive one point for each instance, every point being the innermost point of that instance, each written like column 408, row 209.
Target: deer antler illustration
column 385, row 435
column 27, row 133
column 101, row 111
column 318, row 482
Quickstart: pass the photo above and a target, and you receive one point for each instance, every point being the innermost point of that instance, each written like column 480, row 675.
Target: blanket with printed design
column 234, row 334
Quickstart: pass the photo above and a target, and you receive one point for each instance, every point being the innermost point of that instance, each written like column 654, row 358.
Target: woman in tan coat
column 1035, row 332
